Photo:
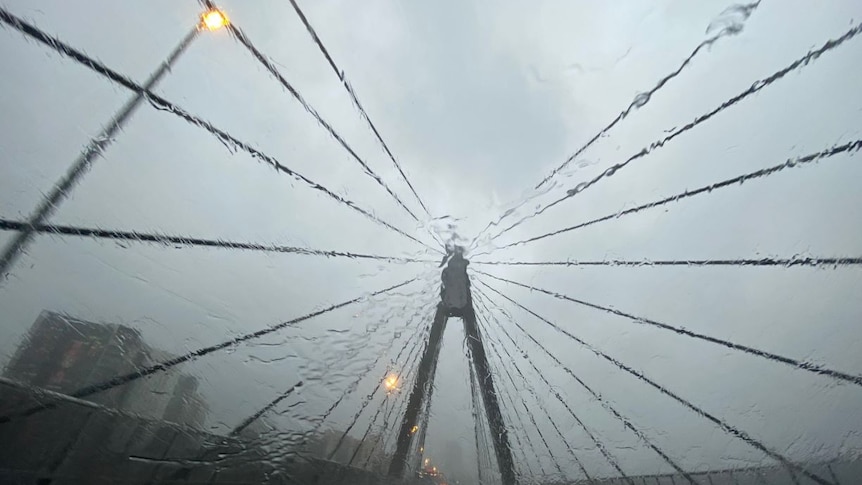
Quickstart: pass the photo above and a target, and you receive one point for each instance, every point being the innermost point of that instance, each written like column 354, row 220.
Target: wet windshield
column 458, row 242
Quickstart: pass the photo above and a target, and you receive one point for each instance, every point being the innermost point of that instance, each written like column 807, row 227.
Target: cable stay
column 478, row 432
column 412, row 347
column 254, row 417
column 409, row 363
column 794, row 262
column 381, row 440
column 756, row 87
column 823, row 155
column 382, row 437
column 522, row 424
column 644, row 97
column 320, row 420
column 165, row 239
column 477, row 412
column 167, row 364
column 636, row 104
column 517, row 417
column 797, row 364
column 162, row 104
column 367, row 401
column 792, row 467
column 240, row 36
column 343, row 78
column 484, row 321
column 599, row 445
column 532, row 392
column 625, row 421
column 402, row 405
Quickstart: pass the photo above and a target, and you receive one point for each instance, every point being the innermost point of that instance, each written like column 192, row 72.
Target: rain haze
column 478, row 102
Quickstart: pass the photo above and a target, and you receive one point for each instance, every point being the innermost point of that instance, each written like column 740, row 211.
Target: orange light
column 414, row 429
column 391, row 382
column 214, row 20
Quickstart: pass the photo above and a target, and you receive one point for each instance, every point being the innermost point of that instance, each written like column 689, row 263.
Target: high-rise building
column 63, row 354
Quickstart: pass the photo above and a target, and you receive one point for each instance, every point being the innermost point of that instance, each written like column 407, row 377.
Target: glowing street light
column 214, row 19
column 391, row 382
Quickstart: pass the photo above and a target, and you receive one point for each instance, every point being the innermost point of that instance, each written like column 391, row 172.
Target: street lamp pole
column 210, row 20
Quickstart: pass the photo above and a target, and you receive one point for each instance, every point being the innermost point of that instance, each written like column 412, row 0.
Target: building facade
column 64, row 354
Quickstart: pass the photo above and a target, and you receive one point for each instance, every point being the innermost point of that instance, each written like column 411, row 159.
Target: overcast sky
column 479, row 101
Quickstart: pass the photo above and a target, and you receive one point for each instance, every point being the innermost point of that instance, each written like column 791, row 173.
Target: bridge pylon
column 455, row 301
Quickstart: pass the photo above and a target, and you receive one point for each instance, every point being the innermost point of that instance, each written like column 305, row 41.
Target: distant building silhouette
column 63, row 354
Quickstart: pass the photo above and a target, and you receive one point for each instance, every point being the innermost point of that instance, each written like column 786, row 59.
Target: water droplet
column 758, row 85
column 732, row 20
column 577, row 189
column 640, row 100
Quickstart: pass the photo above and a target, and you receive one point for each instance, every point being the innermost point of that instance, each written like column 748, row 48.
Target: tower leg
column 499, row 435
column 424, row 378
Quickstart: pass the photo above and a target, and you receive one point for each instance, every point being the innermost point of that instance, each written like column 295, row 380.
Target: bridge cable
column 162, row 104
column 478, row 429
column 268, row 65
column 409, row 361
column 724, row 426
column 486, row 466
column 254, row 417
column 388, row 407
column 531, row 390
column 344, row 82
column 599, row 445
column 348, row 354
column 756, row 87
column 167, row 364
column 637, row 103
column 481, row 417
column 796, row 261
column 402, row 406
column 165, row 239
column 644, row 97
column 381, row 438
column 626, row 423
column 401, row 402
column 826, row 154
column 320, row 420
column 798, row 364
column 50, row 201
column 504, row 392
column 480, row 433
column 529, row 441
column 368, row 400
column 486, row 318
column 520, row 422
